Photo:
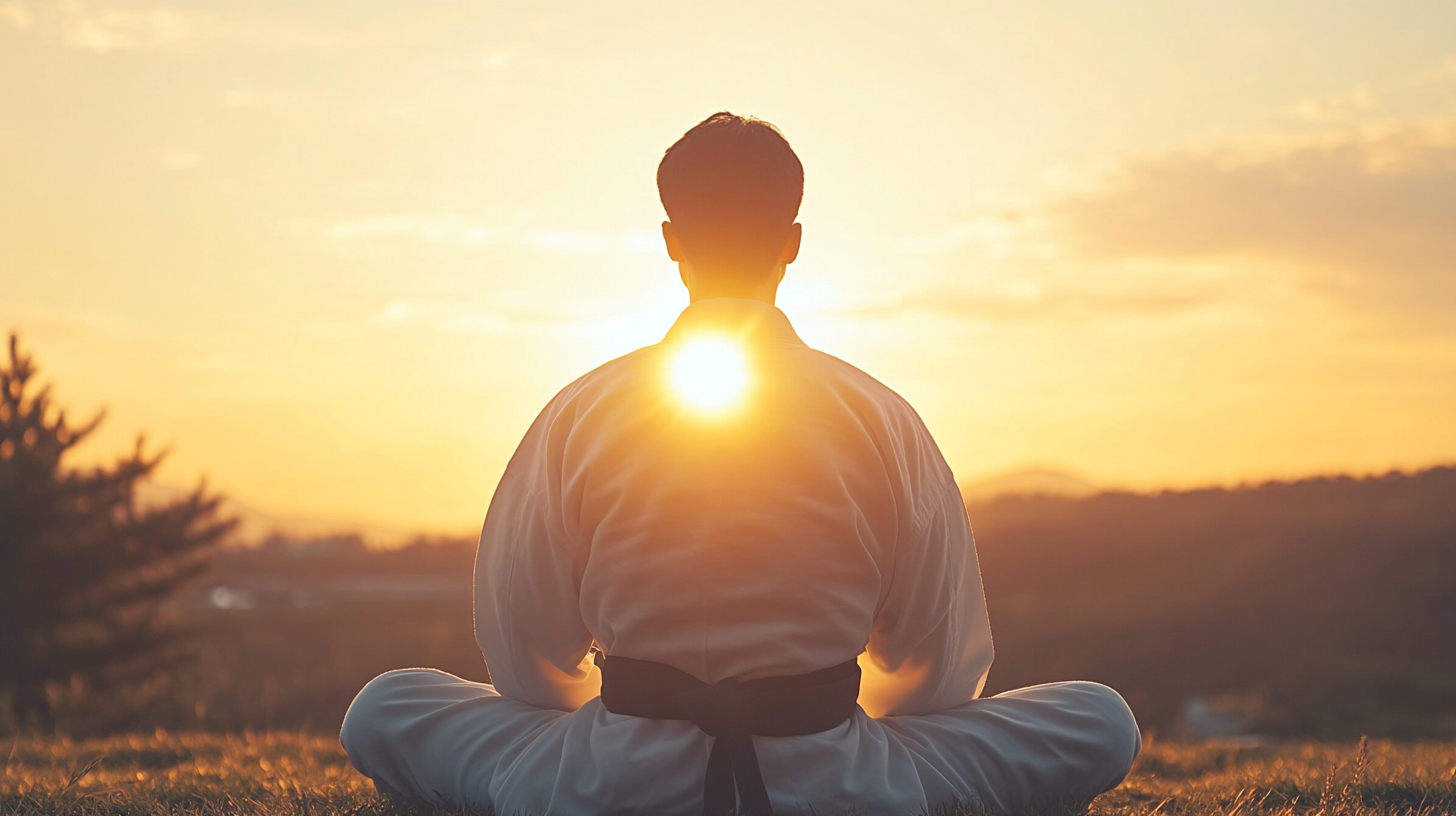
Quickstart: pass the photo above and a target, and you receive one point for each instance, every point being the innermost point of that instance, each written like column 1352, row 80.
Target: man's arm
column 930, row 647
column 527, row 582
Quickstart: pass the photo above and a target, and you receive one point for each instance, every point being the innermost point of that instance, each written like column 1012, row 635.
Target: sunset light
column 1150, row 248
column 635, row 407
column 709, row 374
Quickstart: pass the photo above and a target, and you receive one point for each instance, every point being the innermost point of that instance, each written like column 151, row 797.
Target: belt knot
column 721, row 708
column 732, row 713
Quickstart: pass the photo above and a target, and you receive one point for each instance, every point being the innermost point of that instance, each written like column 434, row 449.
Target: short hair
column 731, row 187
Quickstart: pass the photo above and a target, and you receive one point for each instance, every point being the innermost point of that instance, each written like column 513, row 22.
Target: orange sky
column 336, row 257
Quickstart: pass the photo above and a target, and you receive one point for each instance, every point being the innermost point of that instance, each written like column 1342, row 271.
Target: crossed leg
column 1041, row 749
column 425, row 734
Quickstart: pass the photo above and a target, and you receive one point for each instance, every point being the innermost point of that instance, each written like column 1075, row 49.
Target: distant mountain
column 256, row 526
column 1028, row 482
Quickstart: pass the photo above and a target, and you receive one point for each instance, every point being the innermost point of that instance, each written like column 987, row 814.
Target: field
column 286, row 774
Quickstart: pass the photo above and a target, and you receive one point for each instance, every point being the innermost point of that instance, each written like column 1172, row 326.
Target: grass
column 285, row 774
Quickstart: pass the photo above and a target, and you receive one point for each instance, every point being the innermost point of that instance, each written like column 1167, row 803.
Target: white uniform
column 812, row 522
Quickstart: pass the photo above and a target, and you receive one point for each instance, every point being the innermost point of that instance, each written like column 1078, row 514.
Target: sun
column 709, row 374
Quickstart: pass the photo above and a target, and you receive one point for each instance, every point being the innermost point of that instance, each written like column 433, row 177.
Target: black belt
column 733, row 713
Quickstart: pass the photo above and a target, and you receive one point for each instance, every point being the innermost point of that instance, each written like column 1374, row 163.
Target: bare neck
column 705, row 286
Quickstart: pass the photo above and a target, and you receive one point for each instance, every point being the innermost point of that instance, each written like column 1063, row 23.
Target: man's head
column 731, row 187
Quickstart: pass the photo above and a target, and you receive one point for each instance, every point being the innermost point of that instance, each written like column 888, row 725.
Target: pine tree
column 85, row 570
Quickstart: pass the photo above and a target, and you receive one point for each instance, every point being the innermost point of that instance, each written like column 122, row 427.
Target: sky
column 335, row 257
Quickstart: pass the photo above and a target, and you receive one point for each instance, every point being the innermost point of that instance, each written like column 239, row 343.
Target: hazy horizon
column 337, row 262
column 256, row 526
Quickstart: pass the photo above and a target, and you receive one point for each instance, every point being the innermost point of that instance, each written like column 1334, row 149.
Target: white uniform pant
column 420, row 733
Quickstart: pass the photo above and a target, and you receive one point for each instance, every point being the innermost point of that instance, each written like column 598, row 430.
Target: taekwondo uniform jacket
column 811, row 522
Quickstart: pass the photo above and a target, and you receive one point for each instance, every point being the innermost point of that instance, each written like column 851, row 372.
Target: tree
column 85, row 570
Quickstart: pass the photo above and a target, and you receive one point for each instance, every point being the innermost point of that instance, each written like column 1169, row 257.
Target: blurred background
column 1173, row 286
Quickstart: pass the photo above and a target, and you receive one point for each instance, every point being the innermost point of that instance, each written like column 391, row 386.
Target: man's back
column 768, row 539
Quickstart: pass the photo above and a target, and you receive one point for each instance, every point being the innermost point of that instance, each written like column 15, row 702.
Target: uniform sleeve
column 528, row 580
column 930, row 646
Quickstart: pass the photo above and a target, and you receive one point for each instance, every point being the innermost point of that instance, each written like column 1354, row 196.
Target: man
column 729, row 572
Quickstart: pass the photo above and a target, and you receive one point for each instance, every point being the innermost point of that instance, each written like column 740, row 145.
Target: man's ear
column 669, row 237
column 790, row 252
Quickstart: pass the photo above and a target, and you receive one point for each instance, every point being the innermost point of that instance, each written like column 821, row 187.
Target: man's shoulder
column 903, row 433
column 604, row 379
column 874, row 394
column 614, row 373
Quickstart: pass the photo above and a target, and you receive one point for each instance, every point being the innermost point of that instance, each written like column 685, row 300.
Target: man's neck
column 704, row 287
column 696, row 295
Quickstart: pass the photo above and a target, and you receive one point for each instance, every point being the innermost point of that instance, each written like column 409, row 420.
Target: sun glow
column 709, row 374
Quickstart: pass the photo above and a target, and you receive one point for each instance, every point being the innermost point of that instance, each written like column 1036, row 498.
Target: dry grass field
column 282, row 774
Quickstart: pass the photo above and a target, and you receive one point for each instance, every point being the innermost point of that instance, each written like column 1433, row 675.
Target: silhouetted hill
column 1029, row 482
column 1322, row 608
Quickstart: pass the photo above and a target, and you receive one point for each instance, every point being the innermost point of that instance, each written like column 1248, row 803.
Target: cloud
column 1367, row 212
column 434, row 229
column 118, row 28
column 567, row 241
column 459, row 318
column 577, row 242
column 1009, row 268
column 115, row 29
column 1005, row 233
column 457, row 231
column 1020, row 304
column 1334, row 107
column 17, row 14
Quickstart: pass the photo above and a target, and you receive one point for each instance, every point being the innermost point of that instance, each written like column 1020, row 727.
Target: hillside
column 1321, row 608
